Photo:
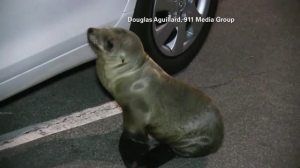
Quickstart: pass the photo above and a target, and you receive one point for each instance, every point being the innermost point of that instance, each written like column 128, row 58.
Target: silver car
column 40, row 39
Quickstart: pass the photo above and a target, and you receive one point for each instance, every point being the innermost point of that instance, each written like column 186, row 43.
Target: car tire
column 170, row 59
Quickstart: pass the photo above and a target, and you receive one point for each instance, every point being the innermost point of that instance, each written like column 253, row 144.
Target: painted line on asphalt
column 37, row 131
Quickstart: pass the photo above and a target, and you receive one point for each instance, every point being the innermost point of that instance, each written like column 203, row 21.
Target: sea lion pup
column 180, row 117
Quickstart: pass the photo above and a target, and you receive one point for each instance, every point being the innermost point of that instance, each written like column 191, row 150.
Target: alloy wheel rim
column 174, row 37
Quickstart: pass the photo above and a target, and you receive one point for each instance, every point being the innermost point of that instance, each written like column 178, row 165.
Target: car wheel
column 172, row 44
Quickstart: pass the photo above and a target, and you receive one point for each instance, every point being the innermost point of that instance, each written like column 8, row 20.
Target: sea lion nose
column 90, row 30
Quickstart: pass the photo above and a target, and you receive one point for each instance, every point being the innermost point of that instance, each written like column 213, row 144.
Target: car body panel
column 40, row 39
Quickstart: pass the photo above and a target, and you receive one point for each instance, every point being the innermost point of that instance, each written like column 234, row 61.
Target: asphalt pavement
column 71, row 91
column 250, row 68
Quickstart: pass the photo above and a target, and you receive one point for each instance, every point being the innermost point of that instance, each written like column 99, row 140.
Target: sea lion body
column 153, row 102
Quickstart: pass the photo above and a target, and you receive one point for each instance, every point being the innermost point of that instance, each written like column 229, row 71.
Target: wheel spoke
column 164, row 5
column 164, row 31
column 196, row 27
column 180, row 38
column 192, row 11
column 203, row 7
column 191, row 1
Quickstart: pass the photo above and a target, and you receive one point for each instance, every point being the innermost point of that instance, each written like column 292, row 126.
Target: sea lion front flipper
column 156, row 157
column 138, row 155
column 131, row 151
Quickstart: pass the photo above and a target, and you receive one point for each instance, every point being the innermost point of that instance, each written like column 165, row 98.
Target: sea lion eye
column 108, row 45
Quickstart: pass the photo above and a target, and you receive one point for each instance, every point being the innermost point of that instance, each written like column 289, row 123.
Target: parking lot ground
column 64, row 94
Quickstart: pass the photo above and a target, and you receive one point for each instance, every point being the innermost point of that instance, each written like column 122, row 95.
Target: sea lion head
column 116, row 47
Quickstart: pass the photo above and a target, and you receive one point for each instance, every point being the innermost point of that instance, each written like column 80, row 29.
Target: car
column 41, row 39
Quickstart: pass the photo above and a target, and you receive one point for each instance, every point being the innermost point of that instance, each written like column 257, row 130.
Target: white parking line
column 37, row 131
